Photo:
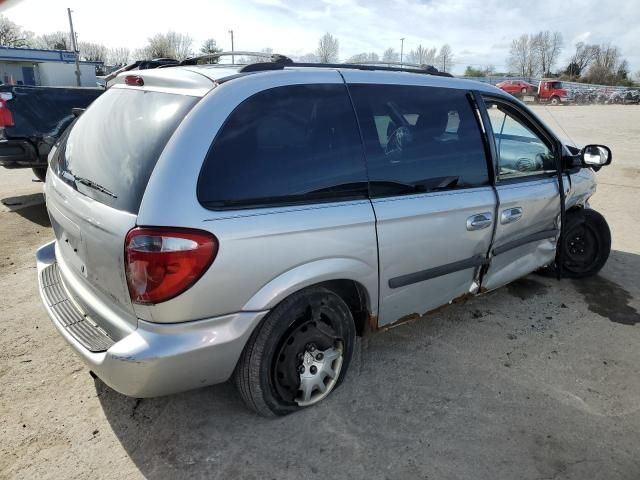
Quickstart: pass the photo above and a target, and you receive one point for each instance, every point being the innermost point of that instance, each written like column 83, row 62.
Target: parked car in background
column 247, row 222
column 516, row 86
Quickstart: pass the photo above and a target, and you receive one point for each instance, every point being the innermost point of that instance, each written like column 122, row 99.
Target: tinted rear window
column 111, row 150
column 290, row 144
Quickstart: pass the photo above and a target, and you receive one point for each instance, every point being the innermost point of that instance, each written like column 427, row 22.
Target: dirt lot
column 538, row 380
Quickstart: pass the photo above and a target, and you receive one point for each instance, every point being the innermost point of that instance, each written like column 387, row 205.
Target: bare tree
column 422, row 56
column 328, row 49
column 581, row 59
column 546, row 46
column 391, row 56
column 13, row 35
column 444, row 60
column 364, row 57
column 54, row 40
column 118, row 56
column 255, row 58
column 606, row 65
column 607, row 56
column 309, row 58
column 92, row 52
column 168, row 45
column 522, row 58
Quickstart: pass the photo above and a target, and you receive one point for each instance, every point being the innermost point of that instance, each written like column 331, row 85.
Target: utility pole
column 74, row 43
column 401, row 50
column 233, row 57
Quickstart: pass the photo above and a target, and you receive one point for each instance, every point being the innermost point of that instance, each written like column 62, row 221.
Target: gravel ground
column 538, row 380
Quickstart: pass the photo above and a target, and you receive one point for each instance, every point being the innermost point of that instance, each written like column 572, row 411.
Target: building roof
column 38, row 55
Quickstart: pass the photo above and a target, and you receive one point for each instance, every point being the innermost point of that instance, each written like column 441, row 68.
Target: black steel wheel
column 298, row 355
column 587, row 244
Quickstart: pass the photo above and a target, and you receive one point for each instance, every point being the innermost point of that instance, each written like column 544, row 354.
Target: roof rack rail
column 368, row 66
column 274, row 57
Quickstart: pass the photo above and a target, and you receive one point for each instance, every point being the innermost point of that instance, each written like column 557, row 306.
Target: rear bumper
column 19, row 154
column 154, row 359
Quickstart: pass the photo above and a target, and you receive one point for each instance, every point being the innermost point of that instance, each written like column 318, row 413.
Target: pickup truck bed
column 40, row 115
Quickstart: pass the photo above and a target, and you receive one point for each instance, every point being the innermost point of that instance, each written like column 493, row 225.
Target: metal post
column 75, row 47
column 233, row 57
column 401, row 50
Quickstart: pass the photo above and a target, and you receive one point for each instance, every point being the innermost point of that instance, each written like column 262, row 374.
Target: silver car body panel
column 538, row 206
column 90, row 252
column 394, row 248
column 156, row 359
column 328, row 241
column 419, row 233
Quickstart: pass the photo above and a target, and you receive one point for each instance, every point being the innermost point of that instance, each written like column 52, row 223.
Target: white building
column 54, row 68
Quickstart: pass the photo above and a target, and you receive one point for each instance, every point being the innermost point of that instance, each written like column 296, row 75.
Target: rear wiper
column 91, row 184
column 94, row 185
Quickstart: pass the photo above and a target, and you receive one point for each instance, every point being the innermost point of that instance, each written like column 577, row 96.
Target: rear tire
column 40, row 172
column 306, row 341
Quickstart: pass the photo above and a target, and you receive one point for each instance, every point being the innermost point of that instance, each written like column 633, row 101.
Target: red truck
column 553, row 92
column 549, row 91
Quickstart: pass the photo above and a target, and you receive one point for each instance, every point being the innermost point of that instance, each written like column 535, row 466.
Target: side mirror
column 595, row 156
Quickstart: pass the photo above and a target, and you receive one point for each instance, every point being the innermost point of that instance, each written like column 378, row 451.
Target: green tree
column 210, row 46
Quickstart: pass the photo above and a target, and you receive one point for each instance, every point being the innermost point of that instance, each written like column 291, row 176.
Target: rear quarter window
column 286, row 145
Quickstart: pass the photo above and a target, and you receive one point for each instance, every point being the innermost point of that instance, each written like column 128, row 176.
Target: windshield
column 111, row 150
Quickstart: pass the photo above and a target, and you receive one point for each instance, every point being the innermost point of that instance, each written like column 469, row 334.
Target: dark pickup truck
column 33, row 118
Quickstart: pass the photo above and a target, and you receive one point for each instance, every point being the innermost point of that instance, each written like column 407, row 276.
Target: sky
column 479, row 32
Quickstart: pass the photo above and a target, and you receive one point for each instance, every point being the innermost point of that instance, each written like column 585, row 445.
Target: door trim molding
column 534, row 237
column 428, row 274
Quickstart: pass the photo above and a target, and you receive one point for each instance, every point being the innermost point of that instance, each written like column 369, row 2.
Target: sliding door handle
column 479, row 221
column 510, row 215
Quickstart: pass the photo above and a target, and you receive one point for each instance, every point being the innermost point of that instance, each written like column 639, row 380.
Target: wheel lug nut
column 319, row 356
column 300, row 356
column 311, row 347
column 301, row 369
column 313, row 369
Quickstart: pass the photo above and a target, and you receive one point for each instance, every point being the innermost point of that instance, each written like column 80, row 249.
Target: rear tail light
column 6, row 117
column 161, row 263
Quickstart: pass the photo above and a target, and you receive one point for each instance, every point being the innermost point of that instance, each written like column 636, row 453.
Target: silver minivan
column 248, row 222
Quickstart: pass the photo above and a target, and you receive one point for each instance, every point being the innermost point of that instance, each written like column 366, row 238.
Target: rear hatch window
column 111, row 150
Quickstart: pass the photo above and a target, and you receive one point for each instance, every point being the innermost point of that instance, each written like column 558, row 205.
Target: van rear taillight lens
column 161, row 263
column 6, row 117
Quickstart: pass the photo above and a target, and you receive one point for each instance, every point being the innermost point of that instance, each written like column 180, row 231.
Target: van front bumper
column 154, row 359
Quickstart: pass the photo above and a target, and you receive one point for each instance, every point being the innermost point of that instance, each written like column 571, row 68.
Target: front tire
column 587, row 244
column 555, row 101
column 298, row 355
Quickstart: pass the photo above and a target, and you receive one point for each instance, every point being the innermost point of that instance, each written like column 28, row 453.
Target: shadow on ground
column 31, row 207
column 518, row 383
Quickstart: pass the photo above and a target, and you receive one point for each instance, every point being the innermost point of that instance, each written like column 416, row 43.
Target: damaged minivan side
column 248, row 222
